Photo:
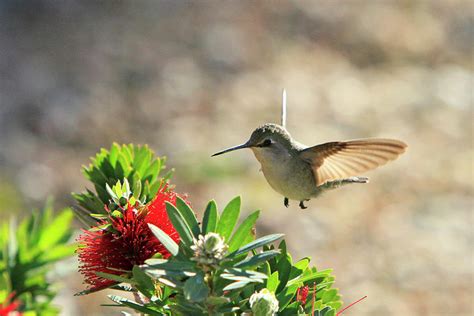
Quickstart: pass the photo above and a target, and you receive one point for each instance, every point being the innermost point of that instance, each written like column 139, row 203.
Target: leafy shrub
column 27, row 253
column 213, row 266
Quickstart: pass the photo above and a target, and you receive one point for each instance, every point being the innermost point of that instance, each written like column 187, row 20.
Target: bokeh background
column 193, row 77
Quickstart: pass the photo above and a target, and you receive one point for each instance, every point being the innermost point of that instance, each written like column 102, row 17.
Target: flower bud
column 123, row 201
column 209, row 249
column 263, row 303
column 117, row 214
column 112, row 206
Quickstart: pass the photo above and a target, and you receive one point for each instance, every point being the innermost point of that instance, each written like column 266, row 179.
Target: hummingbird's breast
column 286, row 173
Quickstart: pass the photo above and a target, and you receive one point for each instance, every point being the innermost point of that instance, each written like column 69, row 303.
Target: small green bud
column 263, row 303
column 209, row 249
column 113, row 206
column 212, row 242
column 117, row 214
column 123, row 201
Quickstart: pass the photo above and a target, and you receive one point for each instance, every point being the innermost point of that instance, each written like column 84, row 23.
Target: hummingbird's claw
column 302, row 206
column 286, row 202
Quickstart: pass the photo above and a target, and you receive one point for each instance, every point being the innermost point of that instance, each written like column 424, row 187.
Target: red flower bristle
column 9, row 307
column 129, row 242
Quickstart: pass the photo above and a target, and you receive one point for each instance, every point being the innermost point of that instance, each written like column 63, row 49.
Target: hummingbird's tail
column 338, row 183
column 356, row 180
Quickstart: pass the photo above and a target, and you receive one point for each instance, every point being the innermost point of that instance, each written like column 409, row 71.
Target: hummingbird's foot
column 302, row 206
column 286, row 202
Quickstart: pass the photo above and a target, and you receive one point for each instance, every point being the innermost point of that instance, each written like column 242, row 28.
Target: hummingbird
column 299, row 172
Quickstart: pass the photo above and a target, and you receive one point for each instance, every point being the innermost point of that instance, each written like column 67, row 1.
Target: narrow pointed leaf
column 235, row 285
column 285, row 296
column 179, row 224
column 188, row 216
column 114, row 151
column 210, row 218
column 166, row 240
column 284, row 267
column 57, row 230
column 134, row 305
column 312, row 277
column 257, row 259
column 258, row 243
column 144, row 283
column 229, row 218
column 110, row 191
column 244, row 230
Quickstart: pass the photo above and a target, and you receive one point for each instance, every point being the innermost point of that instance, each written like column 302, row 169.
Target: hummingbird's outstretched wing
column 339, row 160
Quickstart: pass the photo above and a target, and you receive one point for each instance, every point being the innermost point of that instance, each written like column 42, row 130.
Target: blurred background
column 190, row 78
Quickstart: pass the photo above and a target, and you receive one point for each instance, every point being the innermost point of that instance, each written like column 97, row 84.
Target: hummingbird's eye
column 267, row 142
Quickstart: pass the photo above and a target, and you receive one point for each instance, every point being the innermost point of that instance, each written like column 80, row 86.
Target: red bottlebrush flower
column 9, row 307
column 127, row 242
column 302, row 294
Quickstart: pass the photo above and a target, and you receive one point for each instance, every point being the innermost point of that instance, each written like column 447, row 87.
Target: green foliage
column 27, row 252
column 217, row 268
column 135, row 165
column 287, row 277
column 186, row 284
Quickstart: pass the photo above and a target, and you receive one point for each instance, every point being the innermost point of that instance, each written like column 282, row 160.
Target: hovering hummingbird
column 299, row 172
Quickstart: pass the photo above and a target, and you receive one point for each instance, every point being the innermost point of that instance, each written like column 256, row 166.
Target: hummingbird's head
column 269, row 134
column 268, row 137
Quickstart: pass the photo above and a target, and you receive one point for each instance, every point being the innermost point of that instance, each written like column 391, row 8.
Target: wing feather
column 338, row 160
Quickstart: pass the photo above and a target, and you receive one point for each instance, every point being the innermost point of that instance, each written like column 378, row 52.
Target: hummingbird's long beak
column 245, row 145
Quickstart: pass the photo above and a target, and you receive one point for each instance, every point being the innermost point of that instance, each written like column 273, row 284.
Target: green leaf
column 229, row 218
column 210, row 218
column 327, row 311
column 217, row 300
column 188, row 216
column 152, row 171
column 166, row 240
column 114, row 151
column 299, row 267
column 243, row 231
column 292, row 310
column 249, row 290
column 313, row 276
column 286, row 295
column 329, row 295
column 272, row 282
column 241, row 275
column 171, row 274
column 284, row 268
column 144, row 283
column 179, row 224
column 254, row 261
column 135, row 163
column 282, row 247
column 195, row 289
column 138, row 307
column 177, row 265
column 57, row 253
column 57, row 230
column 137, row 186
column 235, row 285
column 143, row 157
column 232, row 272
column 257, row 243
